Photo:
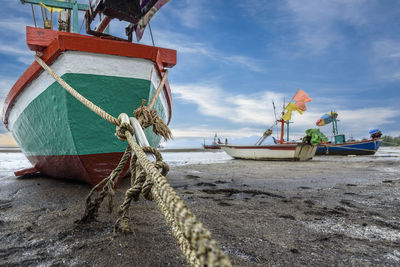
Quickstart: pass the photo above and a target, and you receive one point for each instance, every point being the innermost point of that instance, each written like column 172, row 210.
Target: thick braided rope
column 138, row 177
column 92, row 206
column 148, row 117
column 188, row 252
column 78, row 96
column 140, row 183
column 206, row 249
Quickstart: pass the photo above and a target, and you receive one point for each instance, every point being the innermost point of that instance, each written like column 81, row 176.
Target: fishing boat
column 214, row 145
column 281, row 150
column 286, row 152
column 60, row 136
column 340, row 146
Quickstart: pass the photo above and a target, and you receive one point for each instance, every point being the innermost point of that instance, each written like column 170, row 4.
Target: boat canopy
column 137, row 12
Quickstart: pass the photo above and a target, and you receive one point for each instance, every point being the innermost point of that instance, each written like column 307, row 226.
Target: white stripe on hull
column 88, row 63
column 302, row 152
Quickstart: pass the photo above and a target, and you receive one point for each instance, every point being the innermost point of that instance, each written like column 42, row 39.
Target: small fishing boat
column 214, row 145
column 281, row 150
column 60, row 136
column 287, row 152
column 340, row 146
column 364, row 147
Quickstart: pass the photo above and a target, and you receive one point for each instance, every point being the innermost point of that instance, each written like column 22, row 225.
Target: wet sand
column 328, row 211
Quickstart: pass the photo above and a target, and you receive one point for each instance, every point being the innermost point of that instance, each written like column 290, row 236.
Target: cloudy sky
column 236, row 57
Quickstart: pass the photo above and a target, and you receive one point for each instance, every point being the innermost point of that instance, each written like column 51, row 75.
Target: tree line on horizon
column 390, row 141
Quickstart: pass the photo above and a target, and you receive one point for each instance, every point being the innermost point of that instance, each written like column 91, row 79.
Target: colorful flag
column 301, row 99
column 289, row 109
column 326, row 118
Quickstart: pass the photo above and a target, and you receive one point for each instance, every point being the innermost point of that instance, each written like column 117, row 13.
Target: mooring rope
column 194, row 240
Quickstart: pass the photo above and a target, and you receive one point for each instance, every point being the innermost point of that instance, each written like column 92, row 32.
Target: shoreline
column 313, row 213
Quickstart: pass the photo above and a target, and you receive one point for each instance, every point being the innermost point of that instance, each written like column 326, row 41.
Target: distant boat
column 214, row 145
column 342, row 147
column 281, row 150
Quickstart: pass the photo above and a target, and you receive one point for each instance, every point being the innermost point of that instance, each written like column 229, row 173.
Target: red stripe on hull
column 86, row 168
column 265, row 147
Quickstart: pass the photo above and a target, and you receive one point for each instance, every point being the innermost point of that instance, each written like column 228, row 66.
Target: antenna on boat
column 283, row 105
column 273, row 104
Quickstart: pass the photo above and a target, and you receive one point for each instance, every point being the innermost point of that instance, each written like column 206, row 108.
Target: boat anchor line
column 194, row 240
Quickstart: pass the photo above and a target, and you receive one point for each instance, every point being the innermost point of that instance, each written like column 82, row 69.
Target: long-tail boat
column 61, row 137
column 341, row 146
column 281, row 150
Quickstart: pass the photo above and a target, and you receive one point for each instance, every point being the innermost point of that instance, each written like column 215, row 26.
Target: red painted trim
column 52, row 43
column 211, row 147
column 274, row 147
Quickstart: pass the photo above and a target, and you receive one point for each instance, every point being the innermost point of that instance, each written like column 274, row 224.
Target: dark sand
column 321, row 212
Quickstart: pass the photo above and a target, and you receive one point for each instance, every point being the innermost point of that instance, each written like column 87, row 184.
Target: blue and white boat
column 342, row 147
column 365, row 147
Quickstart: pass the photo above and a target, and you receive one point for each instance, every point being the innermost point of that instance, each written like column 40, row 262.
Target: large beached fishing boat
column 281, row 150
column 61, row 137
column 341, row 146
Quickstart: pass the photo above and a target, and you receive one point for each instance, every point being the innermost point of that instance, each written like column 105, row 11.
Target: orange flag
column 301, row 99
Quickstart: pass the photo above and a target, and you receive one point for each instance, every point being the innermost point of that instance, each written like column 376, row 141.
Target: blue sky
column 235, row 57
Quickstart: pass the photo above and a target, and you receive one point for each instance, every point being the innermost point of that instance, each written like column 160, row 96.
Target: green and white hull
column 63, row 138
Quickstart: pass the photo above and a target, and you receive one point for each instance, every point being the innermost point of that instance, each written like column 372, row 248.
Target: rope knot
column 148, row 117
column 124, row 125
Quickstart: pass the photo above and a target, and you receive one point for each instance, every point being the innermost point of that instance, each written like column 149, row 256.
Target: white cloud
column 250, row 63
column 386, row 59
column 256, row 110
column 5, row 85
column 386, row 48
column 318, row 22
column 192, row 14
column 11, row 49
column 184, row 45
column 14, row 26
column 13, row 38
column 27, row 60
column 204, row 132
column 211, row 100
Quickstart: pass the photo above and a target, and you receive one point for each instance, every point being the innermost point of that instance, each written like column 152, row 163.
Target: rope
column 148, row 117
column 190, row 230
column 77, row 95
column 92, row 206
column 194, row 240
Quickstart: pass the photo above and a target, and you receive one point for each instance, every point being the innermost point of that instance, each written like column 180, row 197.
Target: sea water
column 12, row 161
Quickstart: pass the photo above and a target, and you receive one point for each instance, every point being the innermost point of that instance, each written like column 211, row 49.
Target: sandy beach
column 327, row 211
